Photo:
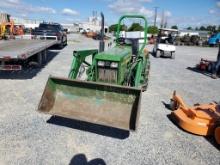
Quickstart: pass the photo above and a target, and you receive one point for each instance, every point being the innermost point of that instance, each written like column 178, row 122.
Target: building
column 28, row 23
column 93, row 24
column 72, row 28
column 203, row 34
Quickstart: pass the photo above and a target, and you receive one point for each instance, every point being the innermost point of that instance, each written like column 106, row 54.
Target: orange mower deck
column 199, row 119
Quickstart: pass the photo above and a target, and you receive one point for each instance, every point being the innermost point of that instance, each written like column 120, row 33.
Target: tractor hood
column 114, row 54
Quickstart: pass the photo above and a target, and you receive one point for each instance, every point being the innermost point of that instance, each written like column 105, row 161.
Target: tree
column 136, row 27
column 174, row 27
column 202, row 28
column 218, row 28
column 152, row 30
column 196, row 28
column 113, row 28
column 211, row 28
column 123, row 28
column 189, row 28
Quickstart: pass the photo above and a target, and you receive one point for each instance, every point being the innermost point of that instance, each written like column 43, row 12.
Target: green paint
column 122, row 54
column 116, row 54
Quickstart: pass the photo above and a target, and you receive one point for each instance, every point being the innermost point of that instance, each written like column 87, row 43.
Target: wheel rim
column 217, row 134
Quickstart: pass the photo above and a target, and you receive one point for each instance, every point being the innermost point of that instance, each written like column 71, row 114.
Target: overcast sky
column 183, row 13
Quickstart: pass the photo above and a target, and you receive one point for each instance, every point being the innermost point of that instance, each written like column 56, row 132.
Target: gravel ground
column 28, row 137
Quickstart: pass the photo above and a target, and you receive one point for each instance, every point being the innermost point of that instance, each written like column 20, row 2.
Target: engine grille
column 107, row 75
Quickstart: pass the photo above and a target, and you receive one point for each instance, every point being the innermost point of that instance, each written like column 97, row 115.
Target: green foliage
column 189, row 28
column 136, row 27
column 152, row 30
column 202, row 28
column 174, row 27
column 211, row 28
column 113, row 28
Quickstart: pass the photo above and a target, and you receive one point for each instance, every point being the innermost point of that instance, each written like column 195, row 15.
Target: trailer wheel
column 44, row 56
column 39, row 59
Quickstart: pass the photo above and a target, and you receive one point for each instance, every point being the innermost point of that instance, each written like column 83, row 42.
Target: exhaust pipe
column 102, row 43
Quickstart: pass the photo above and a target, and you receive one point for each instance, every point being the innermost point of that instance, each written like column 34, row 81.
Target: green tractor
column 111, row 94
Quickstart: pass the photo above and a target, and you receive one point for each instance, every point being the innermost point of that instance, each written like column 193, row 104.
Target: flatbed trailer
column 14, row 54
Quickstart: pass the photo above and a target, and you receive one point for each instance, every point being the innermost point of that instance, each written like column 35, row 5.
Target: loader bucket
column 103, row 104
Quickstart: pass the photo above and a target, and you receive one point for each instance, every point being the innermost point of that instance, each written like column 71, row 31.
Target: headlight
column 101, row 63
column 114, row 65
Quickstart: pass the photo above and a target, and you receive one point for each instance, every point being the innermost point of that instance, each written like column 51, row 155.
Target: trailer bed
column 22, row 48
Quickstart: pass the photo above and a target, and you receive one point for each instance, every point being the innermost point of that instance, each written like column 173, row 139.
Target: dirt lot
column 28, row 137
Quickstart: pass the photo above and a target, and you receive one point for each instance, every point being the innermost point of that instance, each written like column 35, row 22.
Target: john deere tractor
column 111, row 94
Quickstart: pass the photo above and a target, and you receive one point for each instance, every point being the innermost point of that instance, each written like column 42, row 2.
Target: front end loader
column 111, row 93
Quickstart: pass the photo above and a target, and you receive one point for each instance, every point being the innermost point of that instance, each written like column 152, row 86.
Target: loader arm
column 79, row 58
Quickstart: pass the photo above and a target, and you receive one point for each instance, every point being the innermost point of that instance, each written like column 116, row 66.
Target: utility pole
column 165, row 22
column 155, row 16
column 162, row 20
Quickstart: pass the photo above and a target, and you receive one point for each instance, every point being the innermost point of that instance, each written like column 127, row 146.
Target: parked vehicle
column 14, row 54
column 164, row 45
column 7, row 30
column 214, row 39
column 98, row 36
column 111, row 94
column 211, row 66
column 193, row 40
column 186, row 40
column 53, row 31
